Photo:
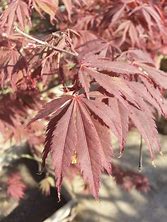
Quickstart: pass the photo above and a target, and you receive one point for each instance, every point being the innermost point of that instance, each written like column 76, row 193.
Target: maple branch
column 44, row 43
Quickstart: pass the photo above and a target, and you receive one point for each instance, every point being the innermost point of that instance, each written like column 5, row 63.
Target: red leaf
column 70, row 131
column 120, row 67
column 118, row 14
column 16, row 188
column 88, row 150
column 17, row 11
column 68, row 5
column 106, row 114
column 123, row 118
column 63, row 144
column 159, row 77
column 105, row 137
column 113, row 85
column 52, row 106
column 85, row 80
column 157, row 100
column 145, row 123
column 50, row 7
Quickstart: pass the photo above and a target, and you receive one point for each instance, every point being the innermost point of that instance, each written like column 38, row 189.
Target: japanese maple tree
column 103, row 53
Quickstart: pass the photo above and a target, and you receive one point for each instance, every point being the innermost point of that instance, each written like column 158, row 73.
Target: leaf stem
column 140, row 155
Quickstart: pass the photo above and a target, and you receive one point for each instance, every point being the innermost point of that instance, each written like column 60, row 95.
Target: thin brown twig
column 44, row 43
column 140, row 155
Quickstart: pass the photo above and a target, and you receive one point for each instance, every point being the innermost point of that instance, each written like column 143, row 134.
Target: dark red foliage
column 103, row 53
column 129, row 179
column 14, row 109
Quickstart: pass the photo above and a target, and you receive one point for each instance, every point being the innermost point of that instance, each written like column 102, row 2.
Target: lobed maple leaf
column 79, row 135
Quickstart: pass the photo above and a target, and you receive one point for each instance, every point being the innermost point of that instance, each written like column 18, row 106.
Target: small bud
column 120, row 155
column 153, row 163
column 74, row 159
column 161, row 153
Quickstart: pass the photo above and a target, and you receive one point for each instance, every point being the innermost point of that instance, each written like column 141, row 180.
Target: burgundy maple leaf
column 72, row 130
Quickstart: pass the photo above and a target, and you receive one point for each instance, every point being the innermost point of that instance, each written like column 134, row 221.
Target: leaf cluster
column 103, row 53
